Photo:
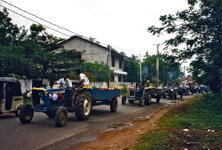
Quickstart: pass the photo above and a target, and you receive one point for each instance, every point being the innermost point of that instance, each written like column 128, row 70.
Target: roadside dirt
column 121, row 135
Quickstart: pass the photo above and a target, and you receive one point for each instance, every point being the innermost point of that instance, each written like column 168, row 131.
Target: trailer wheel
column 61, row 116
column 83, row 105
column 124, row 100
column 113, row 105
column 147, row 98
column 26, row 113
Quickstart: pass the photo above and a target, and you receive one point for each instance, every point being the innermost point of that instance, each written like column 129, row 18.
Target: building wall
column 92, row 52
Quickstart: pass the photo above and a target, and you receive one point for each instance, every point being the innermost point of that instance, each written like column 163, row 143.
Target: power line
column 40, row 18
column 51, row 22
column 34, row 21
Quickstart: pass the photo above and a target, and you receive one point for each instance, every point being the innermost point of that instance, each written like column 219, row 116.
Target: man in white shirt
column 65, row 82
column 83, row 78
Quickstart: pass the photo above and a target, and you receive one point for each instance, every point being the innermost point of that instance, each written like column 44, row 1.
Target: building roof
column 94, row 43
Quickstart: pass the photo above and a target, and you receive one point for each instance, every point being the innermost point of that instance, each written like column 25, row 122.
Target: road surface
column 42, row 133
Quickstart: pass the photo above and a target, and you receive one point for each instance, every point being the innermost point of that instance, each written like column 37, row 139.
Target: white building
column 95, row 52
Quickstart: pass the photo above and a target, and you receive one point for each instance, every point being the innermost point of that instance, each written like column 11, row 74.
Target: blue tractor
column 56, row 103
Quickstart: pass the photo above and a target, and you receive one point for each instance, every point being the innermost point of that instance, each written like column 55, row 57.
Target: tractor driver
column 65, row 82
column 147, row 82
column 83, row 78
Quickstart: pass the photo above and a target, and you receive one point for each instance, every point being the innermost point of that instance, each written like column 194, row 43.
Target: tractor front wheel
column 26, row 113
column 61, row 116
column 124, row 100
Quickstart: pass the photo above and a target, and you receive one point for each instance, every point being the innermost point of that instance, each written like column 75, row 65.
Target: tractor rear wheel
column 147, row 98
column 83, row 103
column 175, row 95
column 124, row 100
column 158, row 98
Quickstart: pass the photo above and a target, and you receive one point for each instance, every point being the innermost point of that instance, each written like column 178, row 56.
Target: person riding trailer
column 84, row 81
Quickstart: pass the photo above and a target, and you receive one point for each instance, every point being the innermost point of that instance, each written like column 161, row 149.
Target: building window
column 120, row 63
column 120, row 78
column 113, row 61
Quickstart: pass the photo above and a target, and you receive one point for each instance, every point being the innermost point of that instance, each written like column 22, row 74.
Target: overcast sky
column 120, row 23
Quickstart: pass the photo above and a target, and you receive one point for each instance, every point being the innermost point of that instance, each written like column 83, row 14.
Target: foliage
column 198, row 116
column 96, row 71
column 30, row 54
column 123, row 91
column 168, row 71
column 131, row 66
column 198, row 34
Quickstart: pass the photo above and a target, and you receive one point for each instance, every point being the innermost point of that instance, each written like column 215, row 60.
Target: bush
column 213, row 101
column 123, row 91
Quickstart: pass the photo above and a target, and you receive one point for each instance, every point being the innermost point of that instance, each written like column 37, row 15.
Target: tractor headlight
column 29, row 94
column 55, row 97
column 50, row 95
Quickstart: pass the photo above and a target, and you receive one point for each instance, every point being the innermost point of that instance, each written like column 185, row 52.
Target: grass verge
column 194, row 125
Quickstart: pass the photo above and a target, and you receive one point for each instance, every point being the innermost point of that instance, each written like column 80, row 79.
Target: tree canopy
column 168, row 71
column 198, row 35
column 32, row 54
column 131, row 66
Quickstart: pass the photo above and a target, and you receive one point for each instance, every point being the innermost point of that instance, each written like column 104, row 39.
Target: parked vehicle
column 11, row 99
column 56, row 103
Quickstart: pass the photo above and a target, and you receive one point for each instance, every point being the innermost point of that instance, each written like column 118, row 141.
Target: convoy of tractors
column 57, row 102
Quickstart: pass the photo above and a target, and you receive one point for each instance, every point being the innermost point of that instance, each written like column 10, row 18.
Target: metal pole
column 140, row 70
column 109, row 64
column 157, row 65
column 184, row 71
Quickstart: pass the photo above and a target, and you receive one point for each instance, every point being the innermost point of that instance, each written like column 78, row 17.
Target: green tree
column 131, row 66
column 198, row 35
column 168, row 71
column 32, row 55
column 96, row 71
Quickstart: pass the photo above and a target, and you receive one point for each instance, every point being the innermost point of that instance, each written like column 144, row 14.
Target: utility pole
column 157, row 65
column 140, row 69
column 109, row 64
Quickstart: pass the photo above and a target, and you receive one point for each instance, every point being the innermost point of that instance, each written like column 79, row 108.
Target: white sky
column 120, row 23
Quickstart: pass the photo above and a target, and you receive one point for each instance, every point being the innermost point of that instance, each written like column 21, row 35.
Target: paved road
column 43, row 134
